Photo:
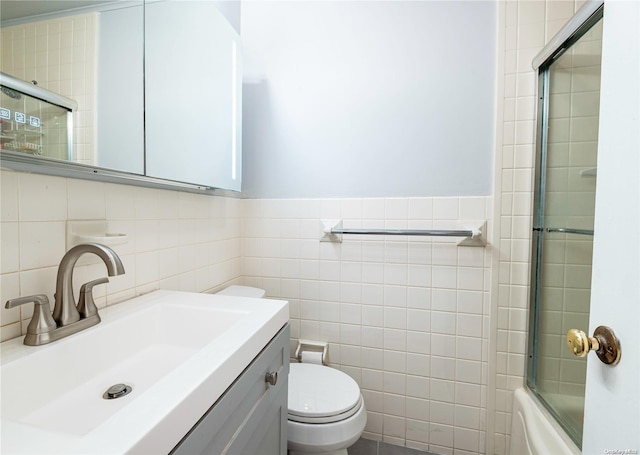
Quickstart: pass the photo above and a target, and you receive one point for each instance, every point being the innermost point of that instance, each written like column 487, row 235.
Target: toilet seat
column 319, row 394
column 327, row 419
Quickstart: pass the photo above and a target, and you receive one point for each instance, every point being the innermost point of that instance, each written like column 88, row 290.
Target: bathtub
column 534, row 431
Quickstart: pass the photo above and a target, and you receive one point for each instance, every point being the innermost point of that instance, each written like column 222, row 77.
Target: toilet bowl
column 326, row 409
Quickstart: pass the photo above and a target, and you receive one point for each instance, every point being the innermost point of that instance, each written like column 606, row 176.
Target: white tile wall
column 406, row 317
column 177, row 240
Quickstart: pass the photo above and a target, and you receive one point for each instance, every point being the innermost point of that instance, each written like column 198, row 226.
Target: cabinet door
column 192, row 94
column 264, row 431
column 275, row 440
column 120, row 91
column 251, row 417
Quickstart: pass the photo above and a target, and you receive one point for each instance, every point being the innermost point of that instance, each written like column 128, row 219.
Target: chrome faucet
column 68, row 317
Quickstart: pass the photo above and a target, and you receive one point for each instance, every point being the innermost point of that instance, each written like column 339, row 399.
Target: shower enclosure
column 564, row 207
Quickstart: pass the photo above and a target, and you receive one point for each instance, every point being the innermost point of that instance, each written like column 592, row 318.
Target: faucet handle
column 86, row 305
column 41, row 321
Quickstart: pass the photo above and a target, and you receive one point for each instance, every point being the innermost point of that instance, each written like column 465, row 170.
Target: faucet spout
column 65, row 311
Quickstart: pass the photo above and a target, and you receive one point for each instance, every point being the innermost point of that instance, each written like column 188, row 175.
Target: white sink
column 179, row 352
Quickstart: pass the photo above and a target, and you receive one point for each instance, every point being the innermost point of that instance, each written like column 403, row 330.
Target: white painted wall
column 362, row 99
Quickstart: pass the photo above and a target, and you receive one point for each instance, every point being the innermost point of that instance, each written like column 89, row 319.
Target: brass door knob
column 603, row 342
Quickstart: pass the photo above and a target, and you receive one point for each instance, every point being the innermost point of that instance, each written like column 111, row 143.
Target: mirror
column 98, row 54
column 192, row 94
column 90, row 52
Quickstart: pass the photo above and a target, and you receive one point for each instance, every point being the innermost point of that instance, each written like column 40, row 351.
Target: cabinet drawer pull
column 271, row 377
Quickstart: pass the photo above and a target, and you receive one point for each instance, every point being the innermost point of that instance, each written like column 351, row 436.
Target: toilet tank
column 243, row 291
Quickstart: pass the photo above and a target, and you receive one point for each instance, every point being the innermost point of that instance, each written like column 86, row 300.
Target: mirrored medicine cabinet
column 140, row 92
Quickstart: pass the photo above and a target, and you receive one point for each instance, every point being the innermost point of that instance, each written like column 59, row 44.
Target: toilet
column 326, row 409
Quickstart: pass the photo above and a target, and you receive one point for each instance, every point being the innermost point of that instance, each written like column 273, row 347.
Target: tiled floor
column 368, row 447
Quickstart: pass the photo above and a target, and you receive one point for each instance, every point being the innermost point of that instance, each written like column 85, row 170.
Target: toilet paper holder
column 313, row 346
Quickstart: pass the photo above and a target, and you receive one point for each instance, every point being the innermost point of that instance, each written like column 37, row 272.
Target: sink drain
column 117, row 391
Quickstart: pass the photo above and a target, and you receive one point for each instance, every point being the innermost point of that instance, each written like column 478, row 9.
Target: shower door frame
column 573, row 32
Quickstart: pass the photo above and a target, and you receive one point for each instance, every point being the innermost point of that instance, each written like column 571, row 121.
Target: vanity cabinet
column 251, row 416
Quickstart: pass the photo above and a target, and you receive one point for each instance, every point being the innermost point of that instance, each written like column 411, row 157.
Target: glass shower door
column 566, row 172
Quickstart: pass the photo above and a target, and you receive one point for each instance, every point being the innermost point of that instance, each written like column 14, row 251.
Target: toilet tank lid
column 243, row 291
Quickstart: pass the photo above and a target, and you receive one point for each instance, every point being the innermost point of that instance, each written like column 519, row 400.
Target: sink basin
column 178, row 351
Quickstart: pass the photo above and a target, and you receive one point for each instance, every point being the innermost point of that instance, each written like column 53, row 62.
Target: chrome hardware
column 117, row 391
column 603, row 342
column 271, row 377
column 588, row 10
column 67, row 318
column 571, row 231
column 426, row 232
